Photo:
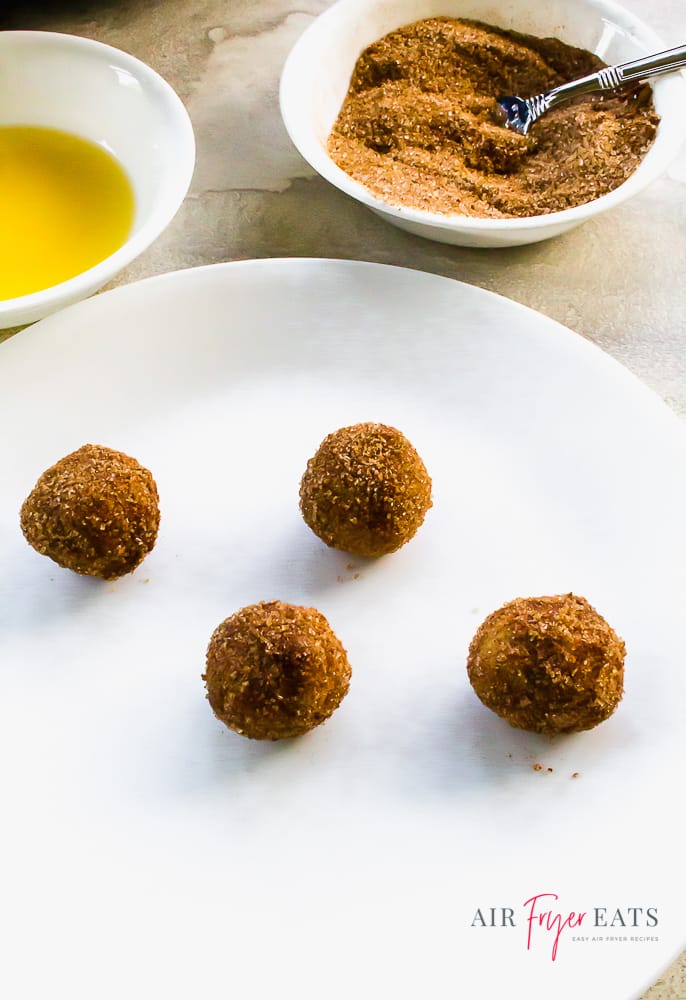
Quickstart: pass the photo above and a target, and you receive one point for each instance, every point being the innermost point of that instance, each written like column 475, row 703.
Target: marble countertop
column 616, row 280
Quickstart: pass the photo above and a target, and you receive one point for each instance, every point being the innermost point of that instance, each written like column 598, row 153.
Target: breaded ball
column 275, row 670
column 548, row 664
column 96, row 512
column 366, row 490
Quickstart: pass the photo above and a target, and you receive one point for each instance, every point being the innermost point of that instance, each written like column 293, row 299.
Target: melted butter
column 65, row 205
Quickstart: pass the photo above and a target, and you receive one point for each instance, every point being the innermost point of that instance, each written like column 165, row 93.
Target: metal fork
column 521, row 113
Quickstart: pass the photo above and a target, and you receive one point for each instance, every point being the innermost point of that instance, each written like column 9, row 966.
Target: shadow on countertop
column 25, row 14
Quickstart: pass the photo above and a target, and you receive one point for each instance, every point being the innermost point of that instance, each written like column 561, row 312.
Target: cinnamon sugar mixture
column 421, row 127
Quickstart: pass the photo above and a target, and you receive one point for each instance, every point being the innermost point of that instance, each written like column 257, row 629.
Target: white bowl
column 317, row 73
column 106, row 96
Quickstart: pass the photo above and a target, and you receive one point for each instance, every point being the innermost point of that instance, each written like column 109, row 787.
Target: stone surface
column 617, row 280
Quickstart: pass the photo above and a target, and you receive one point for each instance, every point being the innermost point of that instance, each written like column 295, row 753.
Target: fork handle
column 655, row 65
column 613, row 77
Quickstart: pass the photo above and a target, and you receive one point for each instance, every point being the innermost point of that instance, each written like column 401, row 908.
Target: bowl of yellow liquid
column 96, row 156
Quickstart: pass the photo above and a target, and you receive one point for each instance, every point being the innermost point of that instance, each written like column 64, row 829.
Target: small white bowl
column 104, row 95
column 317, row 73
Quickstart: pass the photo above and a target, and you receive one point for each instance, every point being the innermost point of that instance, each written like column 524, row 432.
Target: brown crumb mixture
column 421, row 127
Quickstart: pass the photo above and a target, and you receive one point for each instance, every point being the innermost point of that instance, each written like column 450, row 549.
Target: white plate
column 149, row 852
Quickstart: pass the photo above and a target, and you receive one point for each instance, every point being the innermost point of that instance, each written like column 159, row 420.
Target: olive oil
column 65, row 205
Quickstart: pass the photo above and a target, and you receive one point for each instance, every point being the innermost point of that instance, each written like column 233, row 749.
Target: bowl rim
column 315, row 154
column 46, row 299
